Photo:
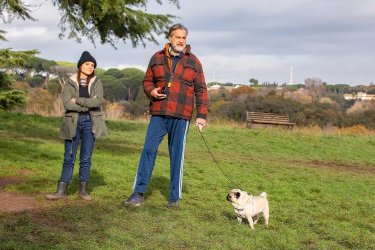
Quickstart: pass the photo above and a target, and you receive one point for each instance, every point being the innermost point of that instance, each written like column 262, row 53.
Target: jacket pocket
column 67, row 126
column 188, row 74
column 158, row 71
column 99, row 127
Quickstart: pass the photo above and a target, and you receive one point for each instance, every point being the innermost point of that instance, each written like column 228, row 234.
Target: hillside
column 319, row 187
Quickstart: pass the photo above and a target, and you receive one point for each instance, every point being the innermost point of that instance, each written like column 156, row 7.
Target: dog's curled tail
column 263, row 194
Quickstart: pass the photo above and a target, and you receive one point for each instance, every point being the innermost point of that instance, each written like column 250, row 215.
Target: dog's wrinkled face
column 234, row 195
column 237, row 196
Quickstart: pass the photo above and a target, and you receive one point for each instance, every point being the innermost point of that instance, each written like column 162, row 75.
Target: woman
column 83, row 122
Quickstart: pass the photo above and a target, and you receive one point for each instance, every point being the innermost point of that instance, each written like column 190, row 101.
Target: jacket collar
column 74, row 79
column 168, row 59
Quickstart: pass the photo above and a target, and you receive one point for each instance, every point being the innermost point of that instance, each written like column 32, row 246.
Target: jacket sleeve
column 201, row 96
column 148, row 81
column 96, row 100
column 67, row 101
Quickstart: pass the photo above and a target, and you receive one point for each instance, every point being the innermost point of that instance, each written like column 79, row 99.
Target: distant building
column 217, row 86
column 214, row 87
column 359, row 96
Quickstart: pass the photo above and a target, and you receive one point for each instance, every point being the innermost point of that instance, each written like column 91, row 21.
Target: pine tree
column 106, row 20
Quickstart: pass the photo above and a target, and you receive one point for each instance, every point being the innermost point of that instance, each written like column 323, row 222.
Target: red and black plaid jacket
column 187, row 84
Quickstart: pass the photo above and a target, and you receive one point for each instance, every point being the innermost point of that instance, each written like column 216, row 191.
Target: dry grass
column 331, row 130
column 115, row 111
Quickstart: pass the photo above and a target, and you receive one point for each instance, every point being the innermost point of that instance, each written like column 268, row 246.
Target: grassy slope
column 319, row 187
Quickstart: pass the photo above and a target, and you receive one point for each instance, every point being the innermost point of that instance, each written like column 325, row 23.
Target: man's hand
column 156, row 95
column 200, row 123
column 73, row 100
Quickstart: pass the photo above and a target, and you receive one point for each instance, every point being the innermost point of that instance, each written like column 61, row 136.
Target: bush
column 274, row 104
column 40, row 101
column 12, row 99
column 54, row 87
column 5, row 81
column 35, row 81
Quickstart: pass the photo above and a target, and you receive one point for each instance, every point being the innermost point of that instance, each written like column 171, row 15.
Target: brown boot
column 60, row 193
column 82, row 191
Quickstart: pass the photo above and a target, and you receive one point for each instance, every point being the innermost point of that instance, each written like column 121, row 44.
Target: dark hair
column 88, row 77
column 177, row 26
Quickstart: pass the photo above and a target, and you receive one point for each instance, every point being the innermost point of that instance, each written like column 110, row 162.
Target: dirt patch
column 342, row 167
column 10, row 180
column 13, row 170
column 360, row 169
column 13, row 202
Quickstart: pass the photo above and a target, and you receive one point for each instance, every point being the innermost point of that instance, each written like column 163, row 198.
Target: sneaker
column 173, row 204
column 136, row 199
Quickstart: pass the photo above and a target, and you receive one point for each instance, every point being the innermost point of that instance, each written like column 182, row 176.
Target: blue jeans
column 177, row 131
column 84, row 133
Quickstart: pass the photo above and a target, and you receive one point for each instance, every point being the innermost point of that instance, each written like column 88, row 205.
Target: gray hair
column 177, row 26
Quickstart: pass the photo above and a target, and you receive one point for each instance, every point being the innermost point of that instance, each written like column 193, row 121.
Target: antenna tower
column 291, row 75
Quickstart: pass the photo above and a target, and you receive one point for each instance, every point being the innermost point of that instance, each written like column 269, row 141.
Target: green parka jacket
column 82, row 104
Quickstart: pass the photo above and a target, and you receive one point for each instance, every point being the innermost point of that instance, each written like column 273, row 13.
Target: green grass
column 320, row 187
column 66, row 64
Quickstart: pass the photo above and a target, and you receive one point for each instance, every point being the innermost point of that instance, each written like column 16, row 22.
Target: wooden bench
column 257, row 119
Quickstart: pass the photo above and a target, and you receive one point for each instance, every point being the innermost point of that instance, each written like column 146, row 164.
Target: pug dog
column 248, row 206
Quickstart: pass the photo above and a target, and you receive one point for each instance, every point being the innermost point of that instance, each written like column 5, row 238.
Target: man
column 173, row 80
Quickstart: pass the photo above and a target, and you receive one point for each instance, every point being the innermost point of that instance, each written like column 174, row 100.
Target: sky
column 235, row 40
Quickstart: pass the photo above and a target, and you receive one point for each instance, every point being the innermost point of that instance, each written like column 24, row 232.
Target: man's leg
column 155, row 134
column 177, row 132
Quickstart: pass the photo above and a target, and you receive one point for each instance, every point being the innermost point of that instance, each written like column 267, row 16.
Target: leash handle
column 217, row 164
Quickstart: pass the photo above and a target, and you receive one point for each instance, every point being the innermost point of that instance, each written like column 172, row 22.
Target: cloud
column 237, row 40
column 29, row 32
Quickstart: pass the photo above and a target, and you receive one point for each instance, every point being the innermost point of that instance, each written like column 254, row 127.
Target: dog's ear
column 238, row 194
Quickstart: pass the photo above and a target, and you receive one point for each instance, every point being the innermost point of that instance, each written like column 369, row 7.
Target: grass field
column 320, row 187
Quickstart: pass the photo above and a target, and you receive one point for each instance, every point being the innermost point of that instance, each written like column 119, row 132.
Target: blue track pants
column 177, row 131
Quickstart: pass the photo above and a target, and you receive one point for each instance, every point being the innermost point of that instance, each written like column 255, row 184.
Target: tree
column 12, row 98
column 219, row 94
column 41, row 68
column 116, row 73
column 10, row 10
column 5, row 82
column 2, row 37
column 113, row 89
column 109, row 21
column 63, row 72
column 9, row 58
column 133, row 80
column 316, row 87
column 14, row 9
column 253, row 82
column 242, row 93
